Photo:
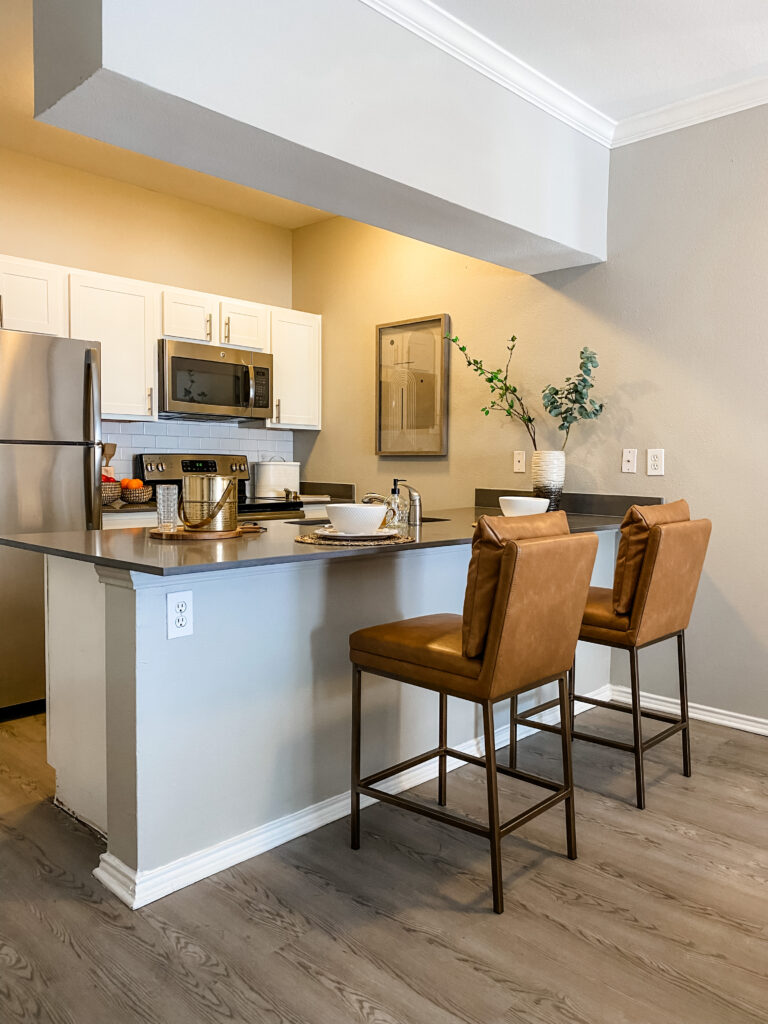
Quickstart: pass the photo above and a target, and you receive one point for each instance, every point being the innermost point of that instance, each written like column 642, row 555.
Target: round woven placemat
column 313, row 538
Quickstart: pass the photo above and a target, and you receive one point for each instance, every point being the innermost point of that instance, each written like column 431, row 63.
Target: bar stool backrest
column 669, row 579
column 537, row 611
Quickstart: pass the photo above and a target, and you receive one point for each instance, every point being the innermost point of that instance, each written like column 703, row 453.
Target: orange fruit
column 125, row 481
column 133, row 485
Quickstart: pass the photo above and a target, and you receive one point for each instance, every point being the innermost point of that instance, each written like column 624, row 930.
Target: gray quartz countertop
column 133, row 549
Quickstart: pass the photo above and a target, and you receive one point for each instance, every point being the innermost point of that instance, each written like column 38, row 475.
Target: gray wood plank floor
column 663, row 919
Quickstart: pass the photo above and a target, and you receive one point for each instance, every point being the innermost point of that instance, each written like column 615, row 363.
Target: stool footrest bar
column 525, row 816
column 523, row 715
column 402, row 766
column 429, row 812
column 664, row 735
column 603, row 741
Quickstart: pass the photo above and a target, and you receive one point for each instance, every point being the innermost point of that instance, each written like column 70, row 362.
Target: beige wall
column 60, row 215
column 678, row 317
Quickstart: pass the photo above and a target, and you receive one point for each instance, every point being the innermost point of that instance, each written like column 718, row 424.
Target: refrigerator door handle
column 93, row 454
column 93, row 367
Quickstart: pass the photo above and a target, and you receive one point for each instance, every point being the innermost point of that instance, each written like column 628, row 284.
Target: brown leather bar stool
column 658, row 567
column 538, row 587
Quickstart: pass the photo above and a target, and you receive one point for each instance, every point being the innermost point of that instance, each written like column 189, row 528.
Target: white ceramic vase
column 548, row 472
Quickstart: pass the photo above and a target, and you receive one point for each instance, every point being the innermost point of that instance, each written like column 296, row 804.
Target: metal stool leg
column 356, row 728
column 572, row 695
column 513, row 732
column 442, row 778
column 493, row 807
column 683, row 673
column 565, row 736
column 637, row 728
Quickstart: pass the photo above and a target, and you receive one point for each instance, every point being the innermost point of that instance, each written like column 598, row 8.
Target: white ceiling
column 620, row 69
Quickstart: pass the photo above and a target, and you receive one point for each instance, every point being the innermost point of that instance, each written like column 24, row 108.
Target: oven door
column 201, row 380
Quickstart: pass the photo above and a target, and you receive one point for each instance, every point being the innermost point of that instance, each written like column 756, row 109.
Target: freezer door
column 47, row 388
column 43, row 489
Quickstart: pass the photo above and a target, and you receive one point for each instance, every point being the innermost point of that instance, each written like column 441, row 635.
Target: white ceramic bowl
column 356, row 518
column 512, row 505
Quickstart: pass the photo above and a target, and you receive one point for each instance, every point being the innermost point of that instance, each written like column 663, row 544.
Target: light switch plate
column 178, row 610
column 629, row 460
column 519, row 463
column 655, row 462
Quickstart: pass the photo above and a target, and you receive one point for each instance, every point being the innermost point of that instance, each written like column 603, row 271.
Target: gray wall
column 678, row 315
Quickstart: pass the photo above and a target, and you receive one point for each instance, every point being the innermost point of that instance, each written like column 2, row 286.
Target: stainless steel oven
column 213, row 381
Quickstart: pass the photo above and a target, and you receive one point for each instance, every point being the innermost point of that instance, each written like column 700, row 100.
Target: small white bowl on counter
column 354, row 519
column 513, row 505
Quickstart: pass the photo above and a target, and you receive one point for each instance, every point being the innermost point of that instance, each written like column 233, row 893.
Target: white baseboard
column 138, row 888
column 701, row 712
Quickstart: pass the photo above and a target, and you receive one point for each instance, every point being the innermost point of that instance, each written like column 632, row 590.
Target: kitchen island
column 195, row 753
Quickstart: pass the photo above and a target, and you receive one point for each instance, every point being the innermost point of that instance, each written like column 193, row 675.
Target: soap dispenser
column 398, row 503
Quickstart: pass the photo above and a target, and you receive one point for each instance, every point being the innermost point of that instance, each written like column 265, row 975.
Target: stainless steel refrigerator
column 50, row 481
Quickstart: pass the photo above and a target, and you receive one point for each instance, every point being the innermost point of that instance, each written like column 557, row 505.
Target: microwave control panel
column 261, row 387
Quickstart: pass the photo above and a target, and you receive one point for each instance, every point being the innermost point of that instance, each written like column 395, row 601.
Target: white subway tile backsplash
column 176, row 428
column 199, row 430
column 255, row 443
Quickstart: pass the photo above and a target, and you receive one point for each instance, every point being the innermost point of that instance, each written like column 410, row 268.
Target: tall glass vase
column 548, row 472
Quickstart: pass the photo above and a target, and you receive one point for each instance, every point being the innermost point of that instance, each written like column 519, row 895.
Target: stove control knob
column 241, row 467
column 161, row 467
column 149, row 467
column 233, row 467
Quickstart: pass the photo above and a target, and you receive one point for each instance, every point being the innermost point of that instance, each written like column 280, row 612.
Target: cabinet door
column 245, row 324
column 123, row 315
column 192, row 315
column 33, row 296
column 295, row 339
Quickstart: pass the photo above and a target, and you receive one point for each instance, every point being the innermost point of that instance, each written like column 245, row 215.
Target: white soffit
column 477, row 50
column 390, row 137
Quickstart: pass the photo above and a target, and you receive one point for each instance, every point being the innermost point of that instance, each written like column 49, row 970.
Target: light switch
column 519, row 463
column 655, row 462
column 629, row 460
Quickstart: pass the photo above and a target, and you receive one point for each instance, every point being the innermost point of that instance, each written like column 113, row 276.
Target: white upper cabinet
column 124, row 316
column 33, row 296
column 245, row 324
column 296, row 353
column 193, row 315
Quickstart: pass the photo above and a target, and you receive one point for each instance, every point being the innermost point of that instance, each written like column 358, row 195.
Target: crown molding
column 435, row 26
column 692, row 111
column 428, row 21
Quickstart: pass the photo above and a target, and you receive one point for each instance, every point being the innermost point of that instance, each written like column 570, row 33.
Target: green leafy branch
column 571, row 402
column 505, row 397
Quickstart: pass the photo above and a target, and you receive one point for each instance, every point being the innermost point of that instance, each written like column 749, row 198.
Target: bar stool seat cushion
column 600, row 621
column 425, row 651
column 635, row 530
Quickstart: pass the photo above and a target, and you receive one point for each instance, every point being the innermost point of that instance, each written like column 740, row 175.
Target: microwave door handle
column 251, row 388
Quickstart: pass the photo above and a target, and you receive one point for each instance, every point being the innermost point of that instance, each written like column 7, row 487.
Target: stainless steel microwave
column 211, row 381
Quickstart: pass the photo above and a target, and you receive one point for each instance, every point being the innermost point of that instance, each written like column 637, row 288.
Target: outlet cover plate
column 655, row 462
column 629, row 460
column 519, row 462
column 178, row 610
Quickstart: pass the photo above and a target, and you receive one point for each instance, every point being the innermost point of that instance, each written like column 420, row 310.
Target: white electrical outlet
column 519, row 463
column 629, row 460
column 655, row 462
column 178, row 609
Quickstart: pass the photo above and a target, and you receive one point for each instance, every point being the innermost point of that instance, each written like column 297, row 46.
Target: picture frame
column 412, row 358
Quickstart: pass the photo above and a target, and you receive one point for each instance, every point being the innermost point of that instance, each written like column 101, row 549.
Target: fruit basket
column 136, row 495
column 110, row 491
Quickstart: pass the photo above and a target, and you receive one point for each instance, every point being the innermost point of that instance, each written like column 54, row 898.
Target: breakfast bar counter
column 134, row 550
column 193, row 753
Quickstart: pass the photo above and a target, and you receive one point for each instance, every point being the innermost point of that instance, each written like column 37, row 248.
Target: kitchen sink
column 325, row 522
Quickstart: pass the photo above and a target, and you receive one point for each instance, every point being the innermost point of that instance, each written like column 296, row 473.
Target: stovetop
column 246, row 505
